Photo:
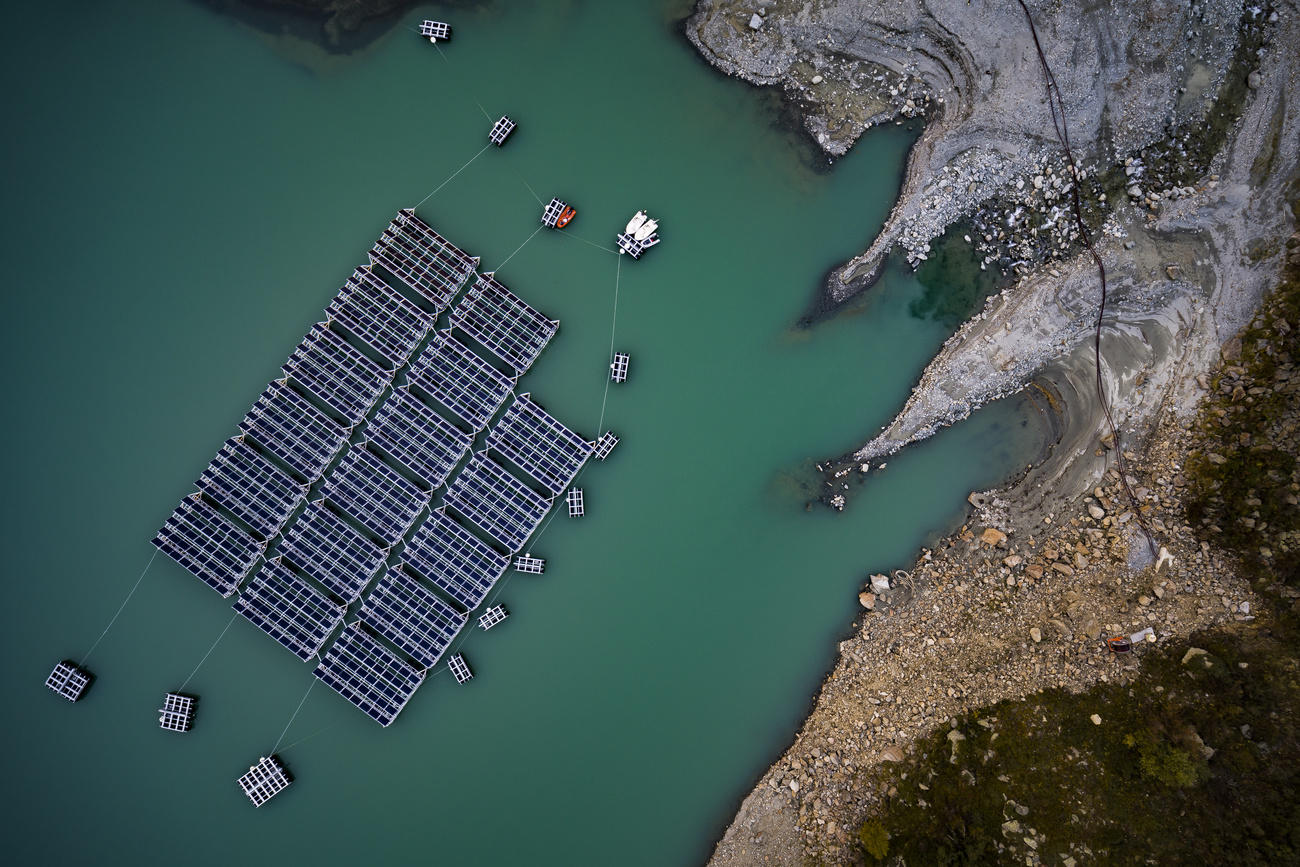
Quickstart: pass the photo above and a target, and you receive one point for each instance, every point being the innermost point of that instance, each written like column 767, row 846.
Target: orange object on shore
column 565, row 218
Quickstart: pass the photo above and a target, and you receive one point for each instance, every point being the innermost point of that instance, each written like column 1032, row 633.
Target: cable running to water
column 520, row 247
column 453, row 175
column 120, row 608
column 294, row 717
column 210, row 649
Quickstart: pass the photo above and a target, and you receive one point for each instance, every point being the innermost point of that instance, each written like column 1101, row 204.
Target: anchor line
column 520, row 247
column 452, row 176
column 210, row 649
column 120, row 608
column 466, row 90
column 294, row 717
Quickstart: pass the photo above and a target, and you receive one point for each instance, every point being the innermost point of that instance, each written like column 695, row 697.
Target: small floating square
column 177, row 712
column 435, row 30
column 265, row 780
column 501, row 131
column 603, row 446
column 459, row 668
column 530, row 565
column 576, row 507
column 493, row 616
column 618, row 367
column 69, row 681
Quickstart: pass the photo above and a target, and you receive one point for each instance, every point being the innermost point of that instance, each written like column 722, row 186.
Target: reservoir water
column 186, row 193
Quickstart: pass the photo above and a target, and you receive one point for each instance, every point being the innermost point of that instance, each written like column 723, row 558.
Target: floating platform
column 429, row 264
column 503, row 323
column 601, row 448
column 576, row 506
column 492, row 616
column 557, row 214
column 530, row 565
column 69, row 680
column 618, row 367
column 411, row 617
column 496, row 502
column 460, row 668
column 208, row 545
column 177, row 712
column 375, row 679
column 435, row 31
column 537, row 443
column 247, row 485
column 264, row 780
column 333, row 553
column 457, row 378
column 380, row 498
column 287, row 607
column 634, row 248
column 379, row 316
column 336, row 373
column 501, row 131
column 286, row 425
column 454, row 560
column 409, row 431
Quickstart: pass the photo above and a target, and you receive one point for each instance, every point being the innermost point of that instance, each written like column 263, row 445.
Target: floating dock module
column 379, row 316
column 418, row 438
column 333, row 553
column 618, row 367
column 503, row 323
column 283, row 605
column 375, row 679
column 68, row 680
column 454, row 560
column 496, row 502
column 264, row 780
column 459, row 668
column 209, row 546
column 425, row 261
column 603, row 446
column 435, row 31
column 576, row 506
column 493, row 616
column 501, row 131
column 633, row 247
column 177, row 712
column 530, row 565
column 460, row 380
column 250, row 487
column 533, row 440
column 335, row 372
column 285, row 424
column 382, row 499
column 415, row 620
column 552, row 212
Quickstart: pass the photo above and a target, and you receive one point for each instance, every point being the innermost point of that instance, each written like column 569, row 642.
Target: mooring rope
column 210, row 649
column 463, row 88
column 613, row 324
column 319, row 731
column 520, row 247
column 567, row 234
column 452, row 176
column 294, row 717
column 120, row 608
column 531, row 190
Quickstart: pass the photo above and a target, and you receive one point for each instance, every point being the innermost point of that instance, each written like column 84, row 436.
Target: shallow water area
column 186, row 198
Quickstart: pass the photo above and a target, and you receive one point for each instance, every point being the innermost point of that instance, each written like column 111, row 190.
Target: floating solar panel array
column 416, row 621
column 496, row 502
column 245, row 483
column 417, row 438
column 334, row 371
column 454, row 560
column 459, row 380
column 383, row 500
column 503, row 323
column 213, row 549
column 286, row 607
column 365, row 672
column 425, row 261
column 286, row 425
column 533, row 440
column 380, row 316
column 333, row 553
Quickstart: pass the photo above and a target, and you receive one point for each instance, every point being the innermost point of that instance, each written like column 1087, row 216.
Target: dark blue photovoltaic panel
column 380, row 316
column 425, row 261
column 334, row 371
column 411, row 617
column 368, row 674
column 382, row 499
column 498, row 503
column 204, row 542
column 250, row 487
column 459, row 380
column 501, row 321
column 332, row 552
column 417, row 438
column 284, row 606
column 285, row 424
column 455, row 560
column 533, row 440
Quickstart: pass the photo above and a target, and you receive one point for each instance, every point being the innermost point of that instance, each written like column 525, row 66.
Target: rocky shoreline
column 1179, row 116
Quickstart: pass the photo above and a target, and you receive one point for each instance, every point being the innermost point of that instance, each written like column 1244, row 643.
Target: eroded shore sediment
column 1180, row 116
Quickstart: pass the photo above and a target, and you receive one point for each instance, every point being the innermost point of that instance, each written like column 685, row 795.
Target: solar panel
column 283, row 605
column 459, row 380
column 283, row 423
column 455, row 560
column 418, row 438
column 333, row 370
column 332, row 552
column 411, row 617
column 501, row 321
column 251, row 488
column 382, row 499
column 368, row 674
column 498, row 503
column 387, row 321
column 533, row 440
column 422, row 259
column 203, row 541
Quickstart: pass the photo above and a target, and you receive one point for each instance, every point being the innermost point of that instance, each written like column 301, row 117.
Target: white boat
column 635, row 223
column 649, row 242
column 645, row 230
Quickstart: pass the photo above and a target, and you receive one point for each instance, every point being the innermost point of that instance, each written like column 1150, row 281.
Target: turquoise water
column 185, row 195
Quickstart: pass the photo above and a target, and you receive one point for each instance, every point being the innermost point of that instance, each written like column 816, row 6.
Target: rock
column 794, row 786
column 1035, row 571
column 1012, row 561
column 1036, row 634
column 1011, row 827
column 1254, row 80
column 891, row 754
column 755, row 23
column 867, row 600
column 880, row 583
column 1097, row 512
column 1192, row 653
column 1144, row 601
column 817, row 79
column 1063, row 568
column 955, row 737
column 993, row 538
column 1096, row 719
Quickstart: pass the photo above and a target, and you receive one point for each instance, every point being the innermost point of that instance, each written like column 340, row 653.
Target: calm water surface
column 185, row 194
